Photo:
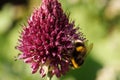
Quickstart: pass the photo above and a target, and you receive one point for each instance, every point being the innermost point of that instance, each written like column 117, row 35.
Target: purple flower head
column 47, row 41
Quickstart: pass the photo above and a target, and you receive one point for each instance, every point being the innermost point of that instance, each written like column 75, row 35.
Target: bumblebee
column 79, row 53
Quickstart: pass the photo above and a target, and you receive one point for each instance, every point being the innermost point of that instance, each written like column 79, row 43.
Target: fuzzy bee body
column 79, row 53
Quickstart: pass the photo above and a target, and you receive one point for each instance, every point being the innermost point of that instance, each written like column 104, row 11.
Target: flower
column 47, row 41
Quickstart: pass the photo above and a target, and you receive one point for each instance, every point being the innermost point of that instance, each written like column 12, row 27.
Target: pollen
column 74, row 63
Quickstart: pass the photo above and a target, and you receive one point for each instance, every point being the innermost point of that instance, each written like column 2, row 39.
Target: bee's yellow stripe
column 80, row 49
column 75, row 65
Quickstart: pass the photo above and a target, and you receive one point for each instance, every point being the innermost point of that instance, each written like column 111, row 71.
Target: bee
column 79, row 53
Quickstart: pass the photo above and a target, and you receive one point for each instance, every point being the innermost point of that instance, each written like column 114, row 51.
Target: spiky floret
column 47, row 41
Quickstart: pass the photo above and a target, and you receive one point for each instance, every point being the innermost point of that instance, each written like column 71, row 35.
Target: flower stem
column 49, row 77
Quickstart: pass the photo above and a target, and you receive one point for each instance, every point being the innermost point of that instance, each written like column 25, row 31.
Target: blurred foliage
column 99, row 20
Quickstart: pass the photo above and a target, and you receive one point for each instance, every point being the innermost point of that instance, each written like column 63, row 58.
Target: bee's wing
column 88, row 47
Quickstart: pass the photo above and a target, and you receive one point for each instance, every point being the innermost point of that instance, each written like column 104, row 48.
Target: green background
column 99, row 20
